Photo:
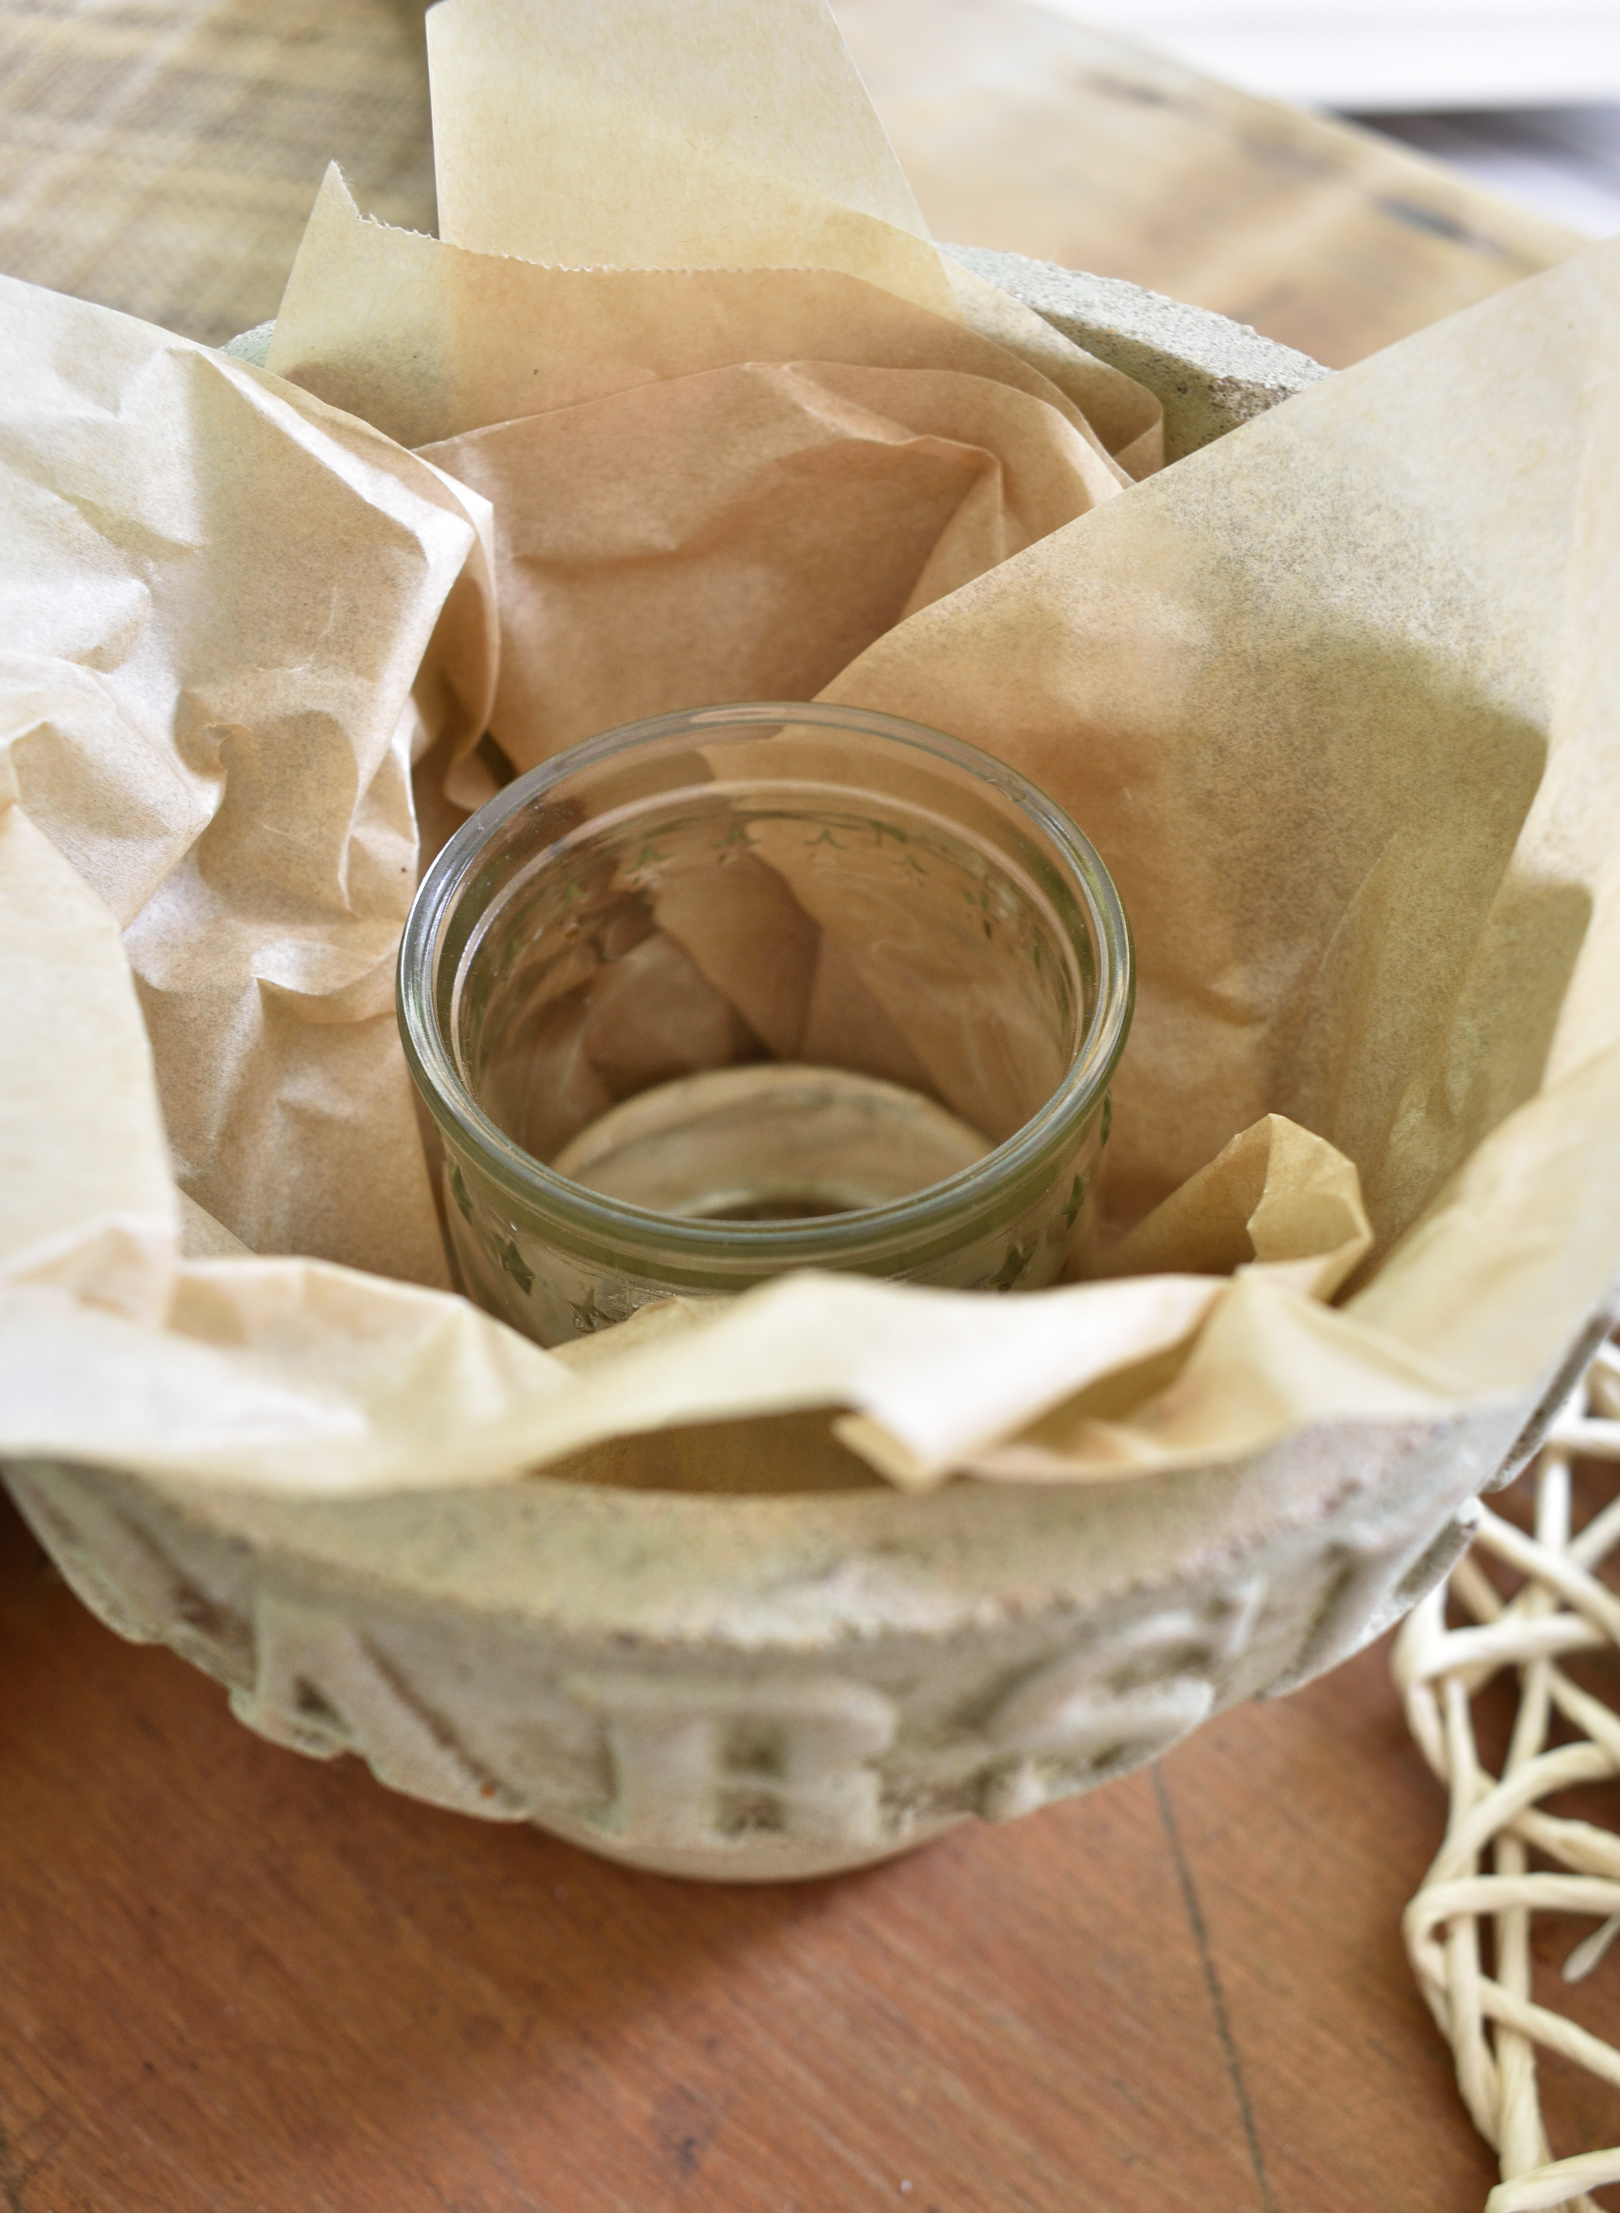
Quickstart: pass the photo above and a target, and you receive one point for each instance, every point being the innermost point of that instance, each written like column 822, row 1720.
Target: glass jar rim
column 770, row 1246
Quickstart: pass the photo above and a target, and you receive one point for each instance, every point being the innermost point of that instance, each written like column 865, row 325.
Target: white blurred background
column 1524, row 97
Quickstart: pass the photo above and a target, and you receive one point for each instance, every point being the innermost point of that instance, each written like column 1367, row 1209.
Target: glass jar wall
column 759, row 988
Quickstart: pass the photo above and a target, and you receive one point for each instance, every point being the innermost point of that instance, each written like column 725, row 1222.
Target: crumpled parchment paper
column 1337, row 698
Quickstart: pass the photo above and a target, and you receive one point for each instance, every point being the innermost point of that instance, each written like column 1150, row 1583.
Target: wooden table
column 1023, row 130
column 237, row 1979
column 162, row 155
column 234, row 1980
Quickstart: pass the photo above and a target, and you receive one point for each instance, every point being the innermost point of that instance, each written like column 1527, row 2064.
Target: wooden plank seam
column 1482, row 1872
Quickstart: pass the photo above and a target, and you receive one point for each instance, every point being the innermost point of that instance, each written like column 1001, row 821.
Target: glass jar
column 758, row 988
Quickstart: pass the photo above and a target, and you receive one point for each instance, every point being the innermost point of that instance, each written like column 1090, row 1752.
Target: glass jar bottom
column 770, row 1142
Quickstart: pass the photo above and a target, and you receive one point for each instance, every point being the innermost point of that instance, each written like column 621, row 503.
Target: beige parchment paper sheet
column 1337, row 698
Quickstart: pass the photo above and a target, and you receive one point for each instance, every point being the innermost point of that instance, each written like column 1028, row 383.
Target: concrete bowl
column 730, row 1683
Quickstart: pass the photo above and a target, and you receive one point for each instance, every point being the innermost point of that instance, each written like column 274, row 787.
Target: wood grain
column 239, row 1979
column 1025, row 131
column 162, row 156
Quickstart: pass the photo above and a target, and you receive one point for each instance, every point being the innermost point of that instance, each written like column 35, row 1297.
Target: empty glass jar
column 758, row 988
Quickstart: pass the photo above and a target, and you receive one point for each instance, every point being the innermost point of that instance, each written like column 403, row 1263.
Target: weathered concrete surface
column 1208, row 373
